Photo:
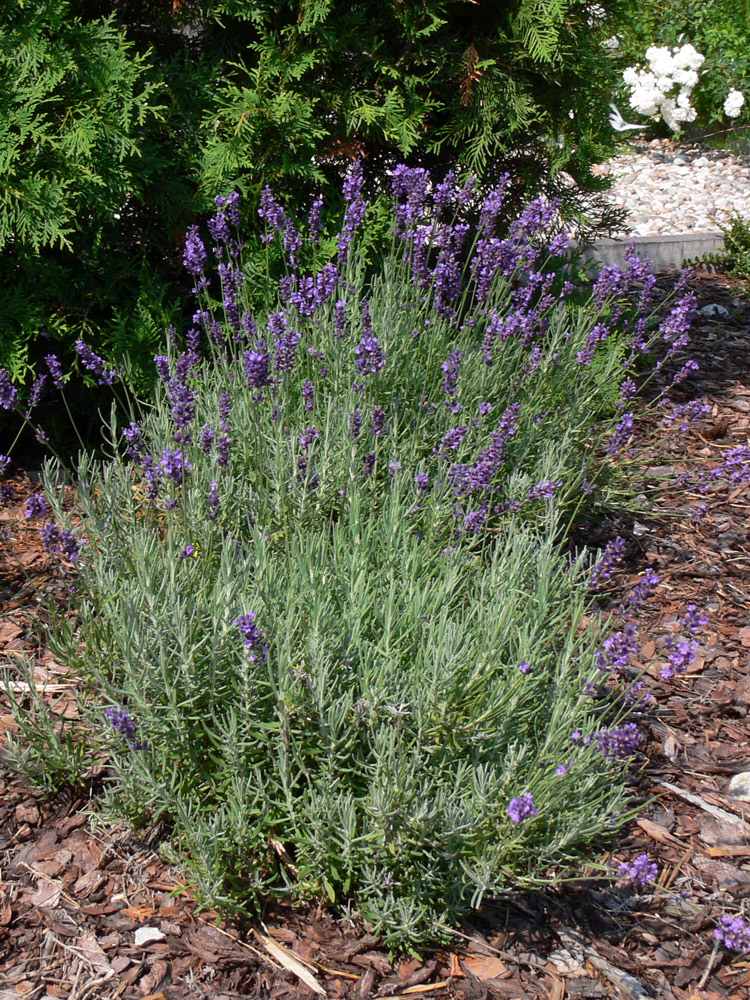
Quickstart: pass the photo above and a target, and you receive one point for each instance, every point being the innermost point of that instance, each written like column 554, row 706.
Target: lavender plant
column 314, row 565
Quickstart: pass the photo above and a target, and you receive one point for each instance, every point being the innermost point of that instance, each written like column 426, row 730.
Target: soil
column 88, row 911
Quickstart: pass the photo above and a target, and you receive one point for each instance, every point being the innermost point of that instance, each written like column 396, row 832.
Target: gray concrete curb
column 664, row 252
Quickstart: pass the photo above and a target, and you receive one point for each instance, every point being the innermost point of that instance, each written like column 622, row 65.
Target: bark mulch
column 94, row 912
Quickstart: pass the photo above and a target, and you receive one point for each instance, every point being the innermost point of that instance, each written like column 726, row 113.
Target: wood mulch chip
column 89, row 913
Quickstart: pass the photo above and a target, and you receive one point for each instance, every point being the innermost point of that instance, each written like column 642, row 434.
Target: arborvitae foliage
column 119, row 122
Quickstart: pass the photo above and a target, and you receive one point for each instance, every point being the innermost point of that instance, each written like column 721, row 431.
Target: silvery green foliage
column 322, row 593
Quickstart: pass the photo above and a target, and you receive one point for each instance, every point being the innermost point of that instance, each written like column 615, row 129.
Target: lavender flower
column 561, row 770
column 422, row 481
column 308, row 391
column 692, row 621
column 522, row 807
column 468, row 479
column 251, row 637
column 272, row 214
column 616, row 650
column 369, row 463
column 5, row 461
column 195, row 256
column 223, row 444
column 370, row 356
column 62, row 542
column 55, row 370
column 681, row 654
column 452, row 439
column 686, row 413
column 122, row 722
column 161, row 363
column 733, row 933
column 307, row 437
column 8, row 392
column 285, row 341
column 35, row 506
column 213, row 501
column 175, row 465
column 257, row 365
column 611, row 558
column 93, row 363
column 136, row 447
column 621, row 434
column 315, row 220
column 207, row 439
column 643, row 590
column 641, row 871
column 411, row 184
column 356, row 209
column 187, row 552
column 525, row 667
column 377, row 421
column 339, row 319
column 545, row 490
column 618, row 742
column 449, row 387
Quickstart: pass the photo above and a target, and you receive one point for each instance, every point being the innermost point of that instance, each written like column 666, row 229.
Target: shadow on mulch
column 100, row 914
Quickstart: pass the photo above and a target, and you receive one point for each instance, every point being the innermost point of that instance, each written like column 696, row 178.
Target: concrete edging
column 664, row 252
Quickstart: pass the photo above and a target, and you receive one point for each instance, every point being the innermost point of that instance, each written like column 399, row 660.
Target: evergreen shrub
column 325, row 626
column 121, row 121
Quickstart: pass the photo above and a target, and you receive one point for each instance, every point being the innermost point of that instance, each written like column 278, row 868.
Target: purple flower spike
column 8, row 392
column 251, row 637
column 641, row 871
column 35, row 507
column 611, row 558
column 93, row 363
column 195, row 256
column 525, row 667
column 733, row 933
column 174, row 465
column 643, row 590
column 55, row 370
column 693, row 621
column 61, row 542
column 315, row 221
column 619, row 742
column 522, row 807
column 123, row 723
column 213, row 501
column 257, row 365
column 545, row 490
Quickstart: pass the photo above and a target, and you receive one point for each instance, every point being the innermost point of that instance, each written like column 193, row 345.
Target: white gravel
column 671, row 189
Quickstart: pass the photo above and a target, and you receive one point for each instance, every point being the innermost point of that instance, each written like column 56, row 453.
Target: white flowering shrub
column 687, row 62
column 734, row 103
column 663, row 91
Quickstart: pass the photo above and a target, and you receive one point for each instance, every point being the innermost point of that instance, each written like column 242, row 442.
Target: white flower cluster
column 734, row 103
column 664, row 89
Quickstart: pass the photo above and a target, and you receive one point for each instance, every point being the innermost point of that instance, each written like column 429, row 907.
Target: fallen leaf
column 139, row 912
column 485, row 966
